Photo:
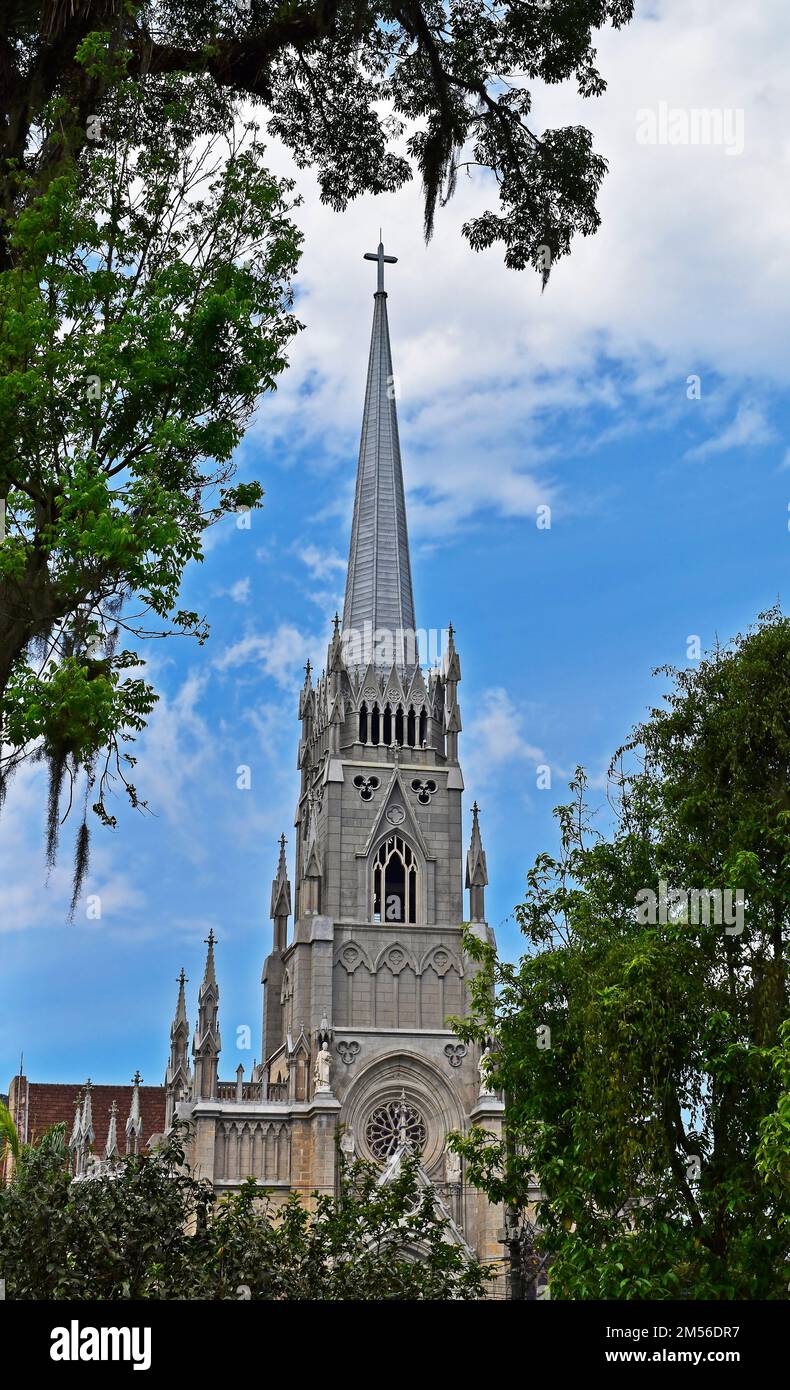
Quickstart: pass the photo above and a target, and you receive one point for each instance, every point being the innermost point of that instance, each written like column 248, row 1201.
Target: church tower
column 375, row 966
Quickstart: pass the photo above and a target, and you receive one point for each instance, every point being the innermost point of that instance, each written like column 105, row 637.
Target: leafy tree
column 645, row 1062
column 123, row 1237
column 344, row 82
column 146, row 309
column 9, row 1138
column 151, row 1230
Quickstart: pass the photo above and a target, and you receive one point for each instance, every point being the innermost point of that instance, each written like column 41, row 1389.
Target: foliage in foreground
column 646, row 1065
column 154, row 1231
column 366, row 92
column 9, row 1139
column 146, row 309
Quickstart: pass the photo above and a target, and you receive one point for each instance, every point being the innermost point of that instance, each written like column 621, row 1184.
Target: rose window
column 391, row 1121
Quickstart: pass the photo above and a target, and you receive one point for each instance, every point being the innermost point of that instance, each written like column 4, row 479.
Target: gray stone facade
column 374, row 969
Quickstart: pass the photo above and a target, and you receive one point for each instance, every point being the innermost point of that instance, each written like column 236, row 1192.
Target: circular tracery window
column 383, row 1129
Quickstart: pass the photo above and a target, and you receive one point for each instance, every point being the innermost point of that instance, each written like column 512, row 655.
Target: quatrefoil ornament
column 455, row 1053
column 424, row 790
column 347, row 1051
column 366, row 786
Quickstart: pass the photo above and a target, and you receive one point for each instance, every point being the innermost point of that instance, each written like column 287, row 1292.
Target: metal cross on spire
column 378, row 587
column 381, row 259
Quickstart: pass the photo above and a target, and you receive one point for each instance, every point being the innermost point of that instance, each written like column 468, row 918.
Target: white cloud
column 322, row 564
column 279, row 654
column 749, row 428
column 240, row 591
column 687, row 274
column 494, row 738
column 174, row 751
column 34, row 899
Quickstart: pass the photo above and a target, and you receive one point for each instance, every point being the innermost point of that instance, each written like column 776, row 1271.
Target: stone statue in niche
column 322, row 1070
column 484, row 1069
column 452, row 1167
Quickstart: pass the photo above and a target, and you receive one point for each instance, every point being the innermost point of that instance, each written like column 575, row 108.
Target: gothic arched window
column 394, row 882
column 411, row 729
column 363, row 723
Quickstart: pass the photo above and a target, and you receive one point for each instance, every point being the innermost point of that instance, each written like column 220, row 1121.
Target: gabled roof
column 395, row 794
column 392, row 1169
column 53, row 1103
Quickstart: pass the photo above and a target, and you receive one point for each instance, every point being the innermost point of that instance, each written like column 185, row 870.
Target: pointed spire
column 209, row 974
column 306, row 693
column 476, row 871
column 111, row 1150
column 76, row 1129
column 378, row 587
column 86, row 1127
column 181, row 1006
column 452, row 661
column 178, row 1078
column 82, row 1135
column 335, row 661
column 207, row 1043
column 134, row 1123
column 280, row 909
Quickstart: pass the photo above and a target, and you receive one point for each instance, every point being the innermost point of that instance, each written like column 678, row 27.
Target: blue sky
column 669, row 519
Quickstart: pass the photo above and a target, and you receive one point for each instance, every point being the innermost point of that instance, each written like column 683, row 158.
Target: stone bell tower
column 375, row 966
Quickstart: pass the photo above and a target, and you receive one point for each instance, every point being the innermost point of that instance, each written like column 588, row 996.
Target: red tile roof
column 51, row 1104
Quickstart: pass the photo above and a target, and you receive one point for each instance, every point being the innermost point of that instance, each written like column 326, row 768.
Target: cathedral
column 357, row 1055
